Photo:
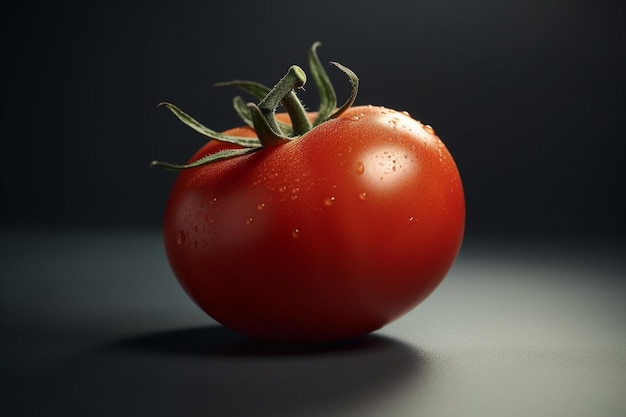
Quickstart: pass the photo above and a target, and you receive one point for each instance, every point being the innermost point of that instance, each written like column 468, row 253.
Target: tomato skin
column 327, row 237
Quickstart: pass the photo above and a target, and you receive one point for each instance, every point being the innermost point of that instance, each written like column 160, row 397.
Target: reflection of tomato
column 327, row 234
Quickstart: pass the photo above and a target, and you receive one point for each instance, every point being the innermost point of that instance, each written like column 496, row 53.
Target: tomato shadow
column 215, row 341
column 213, row 371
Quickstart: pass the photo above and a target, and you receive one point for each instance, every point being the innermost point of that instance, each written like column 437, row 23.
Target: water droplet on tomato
column 295, row 233
column 362, row 196
column 406, row 113
column 249, row 220
column 282, row 188
column 429, row 129
column 360, row 168
column 181, row 238
column 329, row 201
column 261, row 206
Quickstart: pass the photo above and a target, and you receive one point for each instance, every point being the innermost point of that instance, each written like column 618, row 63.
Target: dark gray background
column 527, row 95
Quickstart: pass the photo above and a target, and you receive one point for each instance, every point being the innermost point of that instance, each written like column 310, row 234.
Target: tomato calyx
column 262, row 116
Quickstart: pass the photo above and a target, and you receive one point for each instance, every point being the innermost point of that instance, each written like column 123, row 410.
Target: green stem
column 328, row 98
column 264, row 131
column 283, row 93
column 354, row 81
column 262, row 117
column 297, row 113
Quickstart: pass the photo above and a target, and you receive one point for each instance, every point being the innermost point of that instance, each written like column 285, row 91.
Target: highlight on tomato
column 312, row 226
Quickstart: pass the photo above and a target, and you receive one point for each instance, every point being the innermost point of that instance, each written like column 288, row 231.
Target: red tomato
column 326, row 237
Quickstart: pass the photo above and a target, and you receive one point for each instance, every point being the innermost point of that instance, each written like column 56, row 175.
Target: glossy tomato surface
column 327, row 237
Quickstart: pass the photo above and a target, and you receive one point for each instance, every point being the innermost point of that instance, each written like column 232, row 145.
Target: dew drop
column 329, row 201
column 282, row 188
column 181, row 238
column 363, row 196
column 261, row 206
column 429, row 129
column 249, row 220
column 295, row 233
column 360, row 168
column 406, row 113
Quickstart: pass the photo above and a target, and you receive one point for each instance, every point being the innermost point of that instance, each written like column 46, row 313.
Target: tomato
column 325, row 237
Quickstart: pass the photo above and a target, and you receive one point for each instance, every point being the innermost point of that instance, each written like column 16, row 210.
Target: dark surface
column 94, row 324
column 527, row 95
